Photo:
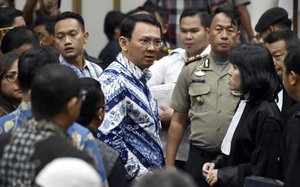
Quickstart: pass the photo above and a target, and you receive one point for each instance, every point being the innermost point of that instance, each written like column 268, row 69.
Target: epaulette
column 195, row 58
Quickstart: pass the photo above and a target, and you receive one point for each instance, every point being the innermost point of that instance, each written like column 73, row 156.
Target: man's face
column 223, row 34
column 143, row 46
column 70, row 38
column 278, row 51
column 193, row 35
column 45, row 37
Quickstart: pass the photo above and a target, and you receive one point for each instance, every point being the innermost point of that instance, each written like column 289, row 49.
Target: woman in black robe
column 252, row 142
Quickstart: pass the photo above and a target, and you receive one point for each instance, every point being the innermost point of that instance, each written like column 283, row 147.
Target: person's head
column 276, row 43
column 68, row 172
column 272, row 20
column 291, row 70
column 112, row 24
column 252, row 72
column 140, row 39
column 44, row 27
column 19, row 39
column 223, row 31
column 10, row 17
column 70, row 35
column 56, row 95
column 165, row 178
column 92, row 108
column 7, row 3
column 160, row 13
column 193, row 23
column 31, row 61
column 9, row 83
column 49, row 7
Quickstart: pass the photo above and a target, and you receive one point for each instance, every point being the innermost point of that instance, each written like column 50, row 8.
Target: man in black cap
column 272, row 20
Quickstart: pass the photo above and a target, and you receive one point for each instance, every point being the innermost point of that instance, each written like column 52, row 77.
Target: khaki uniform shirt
column 204, row 92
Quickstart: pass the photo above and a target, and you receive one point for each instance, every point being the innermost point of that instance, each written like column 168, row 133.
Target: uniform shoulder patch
column 195, row 58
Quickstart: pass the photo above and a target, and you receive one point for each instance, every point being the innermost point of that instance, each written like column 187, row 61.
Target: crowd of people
column 219, row 112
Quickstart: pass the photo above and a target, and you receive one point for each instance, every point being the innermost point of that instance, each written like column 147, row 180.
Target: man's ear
column 71, row 107
column 238, row 34
column 100, row 114
column 86, row 37
column 123, row 41
column 293, row 78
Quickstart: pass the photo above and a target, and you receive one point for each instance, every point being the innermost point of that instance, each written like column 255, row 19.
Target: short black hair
column 285, row 35
column 232, row 14
column 257, row 71
column 113, row 20
column 48, row 21
column 292, row 59
column 17, row 37
column 52, row 87
column 204, row 16
column 31, row 61
column 8, row 15
column 129, row 23
column 71, row 15
column 6, row 62
column 94, row 100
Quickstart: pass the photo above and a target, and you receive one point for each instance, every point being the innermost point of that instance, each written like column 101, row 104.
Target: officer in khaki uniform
column 202, row 96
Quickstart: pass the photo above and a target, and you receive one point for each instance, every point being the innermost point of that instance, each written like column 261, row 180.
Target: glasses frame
column 11, row 76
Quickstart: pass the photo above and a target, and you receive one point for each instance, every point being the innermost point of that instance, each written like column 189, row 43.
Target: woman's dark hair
column 6, row 61
column 94, row 100
column 258, row 75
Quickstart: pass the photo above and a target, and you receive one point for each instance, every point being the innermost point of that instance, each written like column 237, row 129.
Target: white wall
column 93, row 12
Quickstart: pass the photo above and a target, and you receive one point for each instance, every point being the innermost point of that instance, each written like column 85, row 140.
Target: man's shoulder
column 191, row 61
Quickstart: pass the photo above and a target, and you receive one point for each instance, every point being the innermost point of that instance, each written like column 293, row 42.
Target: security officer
column 193, row 23
column 202, row 96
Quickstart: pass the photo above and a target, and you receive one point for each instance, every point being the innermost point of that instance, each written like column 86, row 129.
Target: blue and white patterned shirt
column 131, row 124
column 89, row 69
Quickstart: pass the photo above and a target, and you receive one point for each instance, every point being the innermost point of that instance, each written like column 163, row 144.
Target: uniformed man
column 202, row 93
column 193, row 24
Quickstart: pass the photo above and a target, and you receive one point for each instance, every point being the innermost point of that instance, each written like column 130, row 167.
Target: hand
column 212, row 178
column 165, row 114
column 207, row 169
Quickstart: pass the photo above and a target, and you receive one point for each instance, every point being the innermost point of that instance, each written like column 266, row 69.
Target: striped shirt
column 89, row 69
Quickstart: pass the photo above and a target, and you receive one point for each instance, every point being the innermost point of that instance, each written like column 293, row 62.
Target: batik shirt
column 30, row 148
column 131, row 124
column 89, row 69
column 82, row 138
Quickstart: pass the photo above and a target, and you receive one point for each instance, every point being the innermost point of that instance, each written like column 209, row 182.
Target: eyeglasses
column 146, row 42
column 11, row 76
column 82, row 95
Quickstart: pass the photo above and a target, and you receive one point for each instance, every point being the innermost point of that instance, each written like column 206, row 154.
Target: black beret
column 272, row 16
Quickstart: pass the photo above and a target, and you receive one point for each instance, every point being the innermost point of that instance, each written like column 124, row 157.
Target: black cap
column 272, row 16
